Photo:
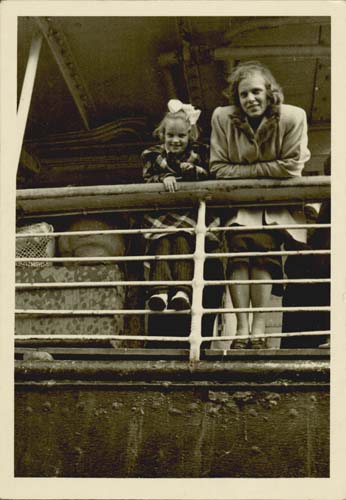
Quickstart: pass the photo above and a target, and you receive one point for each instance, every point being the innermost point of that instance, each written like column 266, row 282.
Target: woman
column 257, row 136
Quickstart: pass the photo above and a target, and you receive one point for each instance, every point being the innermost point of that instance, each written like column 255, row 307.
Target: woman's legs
column 240, row 295
column 257, row 268
column 257, row 294
column 260, row 297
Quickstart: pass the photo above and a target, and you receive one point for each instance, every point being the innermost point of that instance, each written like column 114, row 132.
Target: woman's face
column 177, row 133
column 253, row 95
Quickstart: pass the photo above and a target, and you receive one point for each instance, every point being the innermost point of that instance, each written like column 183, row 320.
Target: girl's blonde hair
column 159, row 132
column 275, row 94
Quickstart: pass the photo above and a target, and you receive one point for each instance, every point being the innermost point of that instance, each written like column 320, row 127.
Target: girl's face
column 177, row 134
column 253, row 95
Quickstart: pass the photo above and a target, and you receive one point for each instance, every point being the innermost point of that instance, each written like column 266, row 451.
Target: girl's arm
column 155, row 168
column 197, row 166
column 294, row 153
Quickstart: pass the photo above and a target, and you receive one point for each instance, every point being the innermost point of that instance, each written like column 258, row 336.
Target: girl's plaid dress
column 159, row 164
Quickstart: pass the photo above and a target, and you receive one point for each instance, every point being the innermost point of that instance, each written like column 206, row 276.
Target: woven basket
column 35, row 246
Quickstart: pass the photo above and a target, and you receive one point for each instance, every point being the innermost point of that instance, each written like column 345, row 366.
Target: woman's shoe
column 180, row 301
column 158, row 301
column 240, row 344
column 258, row 343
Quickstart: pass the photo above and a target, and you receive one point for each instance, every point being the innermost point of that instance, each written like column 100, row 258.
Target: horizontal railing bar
column 169, row 257
column 113, row 312
column 187, row 206
column 170, row 230
column 59, row 350
column 105, row 259
column 210, row 186
column 93, row 312
column 105, row 284
column 130, row 196
column 266, row 309
column 101, row 337
column 268, row 335
column 104, row 231
column 272, row 281
column 260, row 254
column 86, row 284
column 159, row 338
column 269, row 227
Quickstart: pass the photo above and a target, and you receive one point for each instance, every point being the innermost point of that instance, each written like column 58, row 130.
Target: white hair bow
column 174, row 105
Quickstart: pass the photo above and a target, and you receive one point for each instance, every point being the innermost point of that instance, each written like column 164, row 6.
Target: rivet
column 175, row 411
column 47, row 406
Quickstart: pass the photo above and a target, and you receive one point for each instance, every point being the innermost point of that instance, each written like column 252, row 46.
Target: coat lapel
column 266, row 130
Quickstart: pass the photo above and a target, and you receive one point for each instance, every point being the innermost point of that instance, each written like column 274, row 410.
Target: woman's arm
column 294, row 153
column 220, row 165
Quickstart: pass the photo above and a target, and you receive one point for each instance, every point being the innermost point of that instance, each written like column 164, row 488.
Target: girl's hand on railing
column 170, row 183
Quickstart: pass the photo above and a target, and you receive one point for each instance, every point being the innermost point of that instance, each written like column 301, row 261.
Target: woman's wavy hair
column 159, row 132
column 275, row 94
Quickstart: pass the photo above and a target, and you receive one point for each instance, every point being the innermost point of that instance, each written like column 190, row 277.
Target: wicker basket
column 35, row 246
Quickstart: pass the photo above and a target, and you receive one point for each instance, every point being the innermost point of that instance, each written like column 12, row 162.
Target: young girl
column 257, row 136
column 178, row 158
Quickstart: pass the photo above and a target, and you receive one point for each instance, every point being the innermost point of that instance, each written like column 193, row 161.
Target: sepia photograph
column 173, row 245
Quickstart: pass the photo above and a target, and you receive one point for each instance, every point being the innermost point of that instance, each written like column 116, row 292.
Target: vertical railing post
column 198, row 285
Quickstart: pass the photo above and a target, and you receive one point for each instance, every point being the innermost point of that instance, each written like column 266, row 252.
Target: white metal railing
column 198, row 283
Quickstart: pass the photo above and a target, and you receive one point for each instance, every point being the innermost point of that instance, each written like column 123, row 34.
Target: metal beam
column 236, row 28
column 320, row 106
column 27, row 89
column 297, row 51
column 190, row 62
column 227, row 53
column 67, row 64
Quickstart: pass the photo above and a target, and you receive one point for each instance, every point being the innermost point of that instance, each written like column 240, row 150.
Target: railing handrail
column 141, row 196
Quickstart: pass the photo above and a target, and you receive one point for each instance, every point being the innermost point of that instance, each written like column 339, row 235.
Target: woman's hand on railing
column 170, row 183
